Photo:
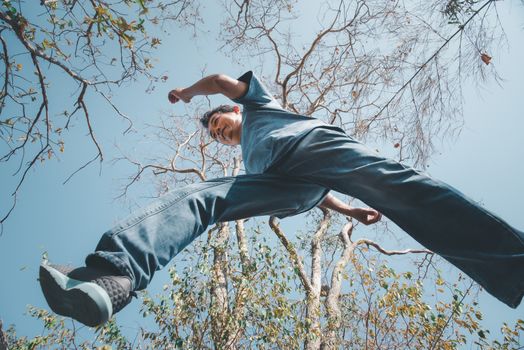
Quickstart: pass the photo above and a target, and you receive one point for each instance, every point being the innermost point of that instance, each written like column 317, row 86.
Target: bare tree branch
column 369, row 242
column 79, row 40
column 424, row 65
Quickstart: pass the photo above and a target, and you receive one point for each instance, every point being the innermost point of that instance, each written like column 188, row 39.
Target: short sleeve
column 257, row 95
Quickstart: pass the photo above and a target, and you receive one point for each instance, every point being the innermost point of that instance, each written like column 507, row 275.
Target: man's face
column 226, row 128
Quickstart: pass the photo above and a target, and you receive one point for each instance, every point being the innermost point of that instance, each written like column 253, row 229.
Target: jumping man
column 292, row 162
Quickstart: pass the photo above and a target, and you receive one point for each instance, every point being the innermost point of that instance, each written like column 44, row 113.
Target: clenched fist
column 178, row 94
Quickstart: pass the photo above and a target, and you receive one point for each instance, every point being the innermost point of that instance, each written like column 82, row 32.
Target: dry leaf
column 485, row 58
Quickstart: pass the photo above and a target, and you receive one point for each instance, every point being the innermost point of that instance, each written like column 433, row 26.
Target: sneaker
column 88, row 295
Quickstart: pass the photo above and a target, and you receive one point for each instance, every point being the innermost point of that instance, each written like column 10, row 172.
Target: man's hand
column 178, row 94
column 367, row 216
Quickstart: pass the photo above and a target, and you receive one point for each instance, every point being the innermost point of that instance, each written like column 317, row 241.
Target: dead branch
column 369, row 242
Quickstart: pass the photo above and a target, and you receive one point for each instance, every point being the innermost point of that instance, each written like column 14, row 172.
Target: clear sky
column 485, row 162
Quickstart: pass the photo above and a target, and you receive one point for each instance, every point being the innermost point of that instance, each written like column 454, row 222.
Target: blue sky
column 485, row 162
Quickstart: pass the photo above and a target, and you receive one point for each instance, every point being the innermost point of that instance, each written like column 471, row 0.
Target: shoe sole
column 85, row 302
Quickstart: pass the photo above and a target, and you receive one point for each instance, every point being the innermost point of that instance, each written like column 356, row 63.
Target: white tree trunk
column 313, row 297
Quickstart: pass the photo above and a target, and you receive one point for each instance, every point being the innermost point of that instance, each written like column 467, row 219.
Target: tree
column 3, row 338
column 379, row 308
column 90, row 46
column 383, row 71
column 378, row 69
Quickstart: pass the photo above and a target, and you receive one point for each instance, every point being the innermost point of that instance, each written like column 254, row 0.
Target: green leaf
column 481, row 334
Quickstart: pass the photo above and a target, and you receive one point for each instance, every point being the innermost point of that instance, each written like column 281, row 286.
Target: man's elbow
column 222, row 81
column 228, row 86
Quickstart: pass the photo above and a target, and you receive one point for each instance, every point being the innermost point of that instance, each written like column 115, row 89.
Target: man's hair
column 220, row 109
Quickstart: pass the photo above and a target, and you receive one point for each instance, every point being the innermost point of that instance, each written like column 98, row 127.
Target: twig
column 461, row 28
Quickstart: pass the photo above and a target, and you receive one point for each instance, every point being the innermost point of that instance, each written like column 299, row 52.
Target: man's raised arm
column 210, row 85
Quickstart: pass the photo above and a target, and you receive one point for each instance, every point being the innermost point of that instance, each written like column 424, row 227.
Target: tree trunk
column 330, row 340
column 313, row 297
column 220, row 313
column 3, row 338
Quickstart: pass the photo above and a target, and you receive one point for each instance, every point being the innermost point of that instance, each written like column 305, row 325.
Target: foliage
column 58, row 335
column 455, row 9
column 382, row 309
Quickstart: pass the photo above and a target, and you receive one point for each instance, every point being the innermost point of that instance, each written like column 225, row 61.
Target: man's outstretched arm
column 210, row 85
column 367, row 216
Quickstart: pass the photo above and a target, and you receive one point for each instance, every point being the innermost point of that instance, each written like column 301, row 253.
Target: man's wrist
column 186, row 94
column 349, row 211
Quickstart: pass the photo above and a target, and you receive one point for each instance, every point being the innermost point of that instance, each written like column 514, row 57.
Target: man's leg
column 150, row 238
column 432, row 212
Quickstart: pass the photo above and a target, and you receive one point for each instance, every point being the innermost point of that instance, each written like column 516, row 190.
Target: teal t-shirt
column 268, row 131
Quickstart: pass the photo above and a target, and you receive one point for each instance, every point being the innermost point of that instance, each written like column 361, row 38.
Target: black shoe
column 88, row 295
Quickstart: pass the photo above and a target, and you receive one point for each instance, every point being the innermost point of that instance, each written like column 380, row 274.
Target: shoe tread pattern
column 119, row 295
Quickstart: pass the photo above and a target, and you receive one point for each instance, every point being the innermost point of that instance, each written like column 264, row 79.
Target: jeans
column 435, row 214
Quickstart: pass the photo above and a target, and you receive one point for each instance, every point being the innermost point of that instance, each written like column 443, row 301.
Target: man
column 292, row 162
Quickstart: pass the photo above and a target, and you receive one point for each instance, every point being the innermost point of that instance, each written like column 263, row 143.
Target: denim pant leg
column 150, row 238
column 435, row 214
